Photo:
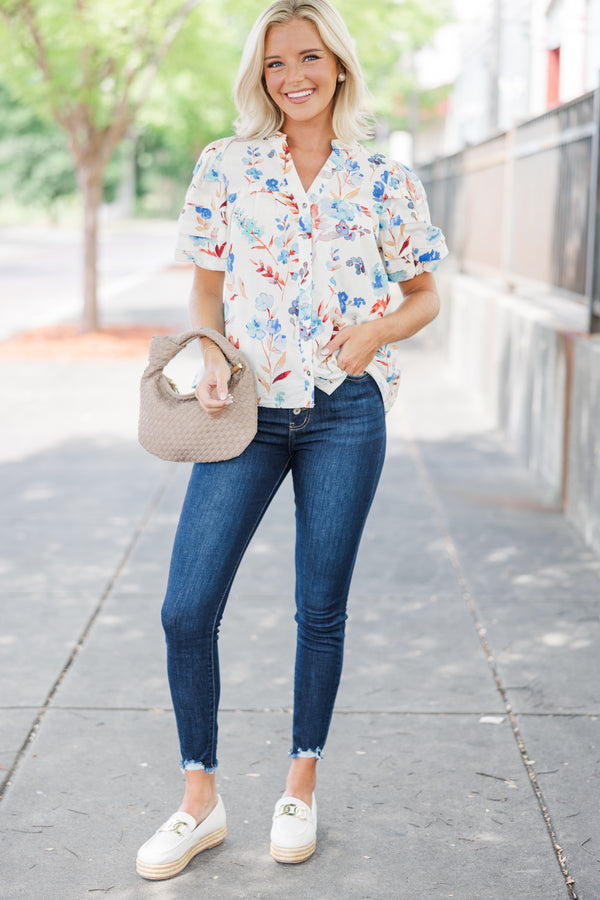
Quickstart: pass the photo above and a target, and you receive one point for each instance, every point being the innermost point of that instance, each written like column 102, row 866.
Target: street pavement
column 41, row 269
column 464, row 755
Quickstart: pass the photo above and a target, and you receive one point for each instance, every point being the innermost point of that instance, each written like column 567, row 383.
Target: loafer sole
column 168, row 870
column 293, row 854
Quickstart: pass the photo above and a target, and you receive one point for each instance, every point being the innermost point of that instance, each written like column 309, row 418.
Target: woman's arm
column 358, row 344
column 206, row 311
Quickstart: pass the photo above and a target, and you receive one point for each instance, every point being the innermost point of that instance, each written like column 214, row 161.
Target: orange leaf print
column 280, row 363
column 266, row 386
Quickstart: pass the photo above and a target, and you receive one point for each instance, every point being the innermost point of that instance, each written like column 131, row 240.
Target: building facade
column 519, row 58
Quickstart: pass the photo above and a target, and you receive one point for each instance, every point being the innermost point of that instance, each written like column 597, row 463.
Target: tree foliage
column 35, row 166
column 88, row 66
column 388, row 34
column 90, row 72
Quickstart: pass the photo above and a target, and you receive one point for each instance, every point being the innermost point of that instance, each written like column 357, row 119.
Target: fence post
column 592, row 273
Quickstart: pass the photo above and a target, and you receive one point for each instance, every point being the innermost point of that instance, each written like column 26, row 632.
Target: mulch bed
column 67, row 342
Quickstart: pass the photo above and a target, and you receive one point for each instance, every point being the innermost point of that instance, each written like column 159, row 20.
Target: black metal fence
column 526, row 203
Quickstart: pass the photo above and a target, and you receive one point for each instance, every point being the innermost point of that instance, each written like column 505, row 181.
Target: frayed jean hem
column 306, row 754
column 188, row 765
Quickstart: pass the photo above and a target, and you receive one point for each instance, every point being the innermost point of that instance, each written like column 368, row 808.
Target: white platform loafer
column 171, row 848
column 294, row 830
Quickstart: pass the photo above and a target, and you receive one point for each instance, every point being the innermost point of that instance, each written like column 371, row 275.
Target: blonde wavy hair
column 259, row 116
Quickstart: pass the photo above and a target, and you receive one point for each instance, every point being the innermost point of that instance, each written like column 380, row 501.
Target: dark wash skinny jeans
column 335, row 452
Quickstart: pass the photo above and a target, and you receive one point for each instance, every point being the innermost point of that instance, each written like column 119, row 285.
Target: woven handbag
column 174, row 426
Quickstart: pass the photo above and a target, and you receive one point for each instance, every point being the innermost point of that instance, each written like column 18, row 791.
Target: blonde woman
column 295, row 230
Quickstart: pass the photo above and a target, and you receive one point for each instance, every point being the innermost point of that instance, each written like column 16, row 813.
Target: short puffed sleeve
column 408, row 242
column 202, row 227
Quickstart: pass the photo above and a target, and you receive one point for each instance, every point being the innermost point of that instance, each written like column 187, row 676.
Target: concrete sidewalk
column 465, row 749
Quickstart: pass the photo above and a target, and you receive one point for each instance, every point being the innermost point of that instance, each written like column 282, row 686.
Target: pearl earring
column 341, row 77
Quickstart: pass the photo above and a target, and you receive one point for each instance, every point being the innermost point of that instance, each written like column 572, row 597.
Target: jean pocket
column 362, row 377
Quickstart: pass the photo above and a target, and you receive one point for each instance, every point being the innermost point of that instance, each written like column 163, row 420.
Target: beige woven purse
column 174, row 426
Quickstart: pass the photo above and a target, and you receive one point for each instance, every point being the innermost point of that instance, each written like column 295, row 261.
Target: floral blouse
column 300, row 265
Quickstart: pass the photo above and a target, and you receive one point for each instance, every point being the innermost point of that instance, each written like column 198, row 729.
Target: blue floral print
column 273, row 326
column 301, row 265
column 379, row 190
column 255, row 330
column 358, row 264
column 378, row 277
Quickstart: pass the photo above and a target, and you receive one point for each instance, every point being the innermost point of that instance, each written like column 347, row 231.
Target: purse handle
column 165, row 347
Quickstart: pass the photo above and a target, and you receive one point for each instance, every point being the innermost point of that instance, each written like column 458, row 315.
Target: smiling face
column 300, row 73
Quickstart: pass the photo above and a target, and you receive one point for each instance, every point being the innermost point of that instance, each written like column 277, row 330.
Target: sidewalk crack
column 451, row 550
column 145, row 519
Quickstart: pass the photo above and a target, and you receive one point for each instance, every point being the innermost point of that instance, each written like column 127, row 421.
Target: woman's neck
column 309, row 137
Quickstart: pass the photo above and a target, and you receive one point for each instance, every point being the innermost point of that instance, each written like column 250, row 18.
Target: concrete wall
column 538, row 377
column 583, row 470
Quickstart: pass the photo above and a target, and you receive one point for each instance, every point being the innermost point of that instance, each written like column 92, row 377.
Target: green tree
column 36, row 168
column 191, row 100
column 35, row 165
column 90, row 68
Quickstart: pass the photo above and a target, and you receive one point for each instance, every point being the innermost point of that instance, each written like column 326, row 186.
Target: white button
column 296, row 412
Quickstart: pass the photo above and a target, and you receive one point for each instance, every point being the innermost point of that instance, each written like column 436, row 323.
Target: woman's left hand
column 356, row 346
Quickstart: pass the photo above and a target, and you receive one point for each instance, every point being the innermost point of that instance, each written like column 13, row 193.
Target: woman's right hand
column 212, row 391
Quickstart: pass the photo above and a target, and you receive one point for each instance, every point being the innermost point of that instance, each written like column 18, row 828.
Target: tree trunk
column 126, row 195
column 90, row 185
